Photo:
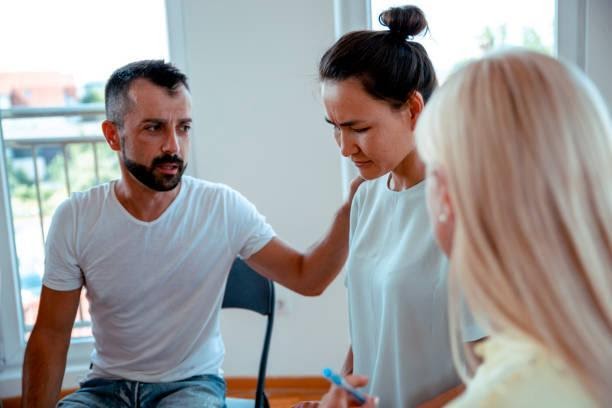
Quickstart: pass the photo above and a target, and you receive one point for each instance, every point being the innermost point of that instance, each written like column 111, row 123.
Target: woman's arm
column 347, row 367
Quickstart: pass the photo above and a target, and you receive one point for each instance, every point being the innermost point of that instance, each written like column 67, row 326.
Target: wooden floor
column 283, row 392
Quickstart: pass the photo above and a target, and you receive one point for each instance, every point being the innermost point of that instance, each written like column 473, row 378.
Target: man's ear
column 416, row 103
column 111, row 134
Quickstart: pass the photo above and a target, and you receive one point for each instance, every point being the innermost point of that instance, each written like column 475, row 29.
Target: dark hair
column 388, row 64
column 158, row 72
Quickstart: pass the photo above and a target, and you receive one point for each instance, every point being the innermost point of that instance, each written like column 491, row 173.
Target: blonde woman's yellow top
column 516, row 372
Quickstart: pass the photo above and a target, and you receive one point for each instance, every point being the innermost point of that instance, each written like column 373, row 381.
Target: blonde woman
column 518, row 148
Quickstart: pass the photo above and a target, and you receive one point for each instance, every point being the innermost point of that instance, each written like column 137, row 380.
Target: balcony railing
column 34, row 154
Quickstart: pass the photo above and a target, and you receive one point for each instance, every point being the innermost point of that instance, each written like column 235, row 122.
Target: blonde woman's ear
column 443, row 214
column 440, row 209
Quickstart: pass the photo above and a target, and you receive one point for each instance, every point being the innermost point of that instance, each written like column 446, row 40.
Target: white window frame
column 12, row 344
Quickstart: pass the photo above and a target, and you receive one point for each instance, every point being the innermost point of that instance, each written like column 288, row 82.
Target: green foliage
column 93, row 96
column 533, row 41
column 492, row 38
column 53, row 188
column 21, row 186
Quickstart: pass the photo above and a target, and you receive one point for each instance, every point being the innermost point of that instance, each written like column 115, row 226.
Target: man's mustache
column 167, row 159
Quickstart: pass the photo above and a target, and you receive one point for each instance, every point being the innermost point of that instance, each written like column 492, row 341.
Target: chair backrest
column 247, row 289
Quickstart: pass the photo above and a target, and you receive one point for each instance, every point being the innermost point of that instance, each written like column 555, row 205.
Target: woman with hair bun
column 374, row 87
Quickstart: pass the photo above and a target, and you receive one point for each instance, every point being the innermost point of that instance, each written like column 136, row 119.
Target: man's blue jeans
column 197, row 391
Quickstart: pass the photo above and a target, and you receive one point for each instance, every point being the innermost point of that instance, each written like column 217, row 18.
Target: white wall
column 598, row 48
column 584, row 34
column 259, row 128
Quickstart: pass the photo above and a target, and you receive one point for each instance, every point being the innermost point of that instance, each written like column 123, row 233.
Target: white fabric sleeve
column 248, row 230
column 62, row 271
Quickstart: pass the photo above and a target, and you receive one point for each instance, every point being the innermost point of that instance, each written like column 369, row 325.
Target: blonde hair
column 526, row 145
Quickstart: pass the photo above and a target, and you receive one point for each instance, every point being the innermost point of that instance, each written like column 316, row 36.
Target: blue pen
column 341, row 382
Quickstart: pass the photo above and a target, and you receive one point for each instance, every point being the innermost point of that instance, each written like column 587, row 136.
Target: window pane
column 461, row 30
column 41, row 172
column 52, row 100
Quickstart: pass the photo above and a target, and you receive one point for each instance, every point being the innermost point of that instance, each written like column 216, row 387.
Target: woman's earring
column 443, row 217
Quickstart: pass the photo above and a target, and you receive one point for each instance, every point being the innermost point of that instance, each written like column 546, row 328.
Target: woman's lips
column 362, row 163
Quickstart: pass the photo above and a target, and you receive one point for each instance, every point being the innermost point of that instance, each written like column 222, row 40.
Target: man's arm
column 311, row 272
column 45, row 356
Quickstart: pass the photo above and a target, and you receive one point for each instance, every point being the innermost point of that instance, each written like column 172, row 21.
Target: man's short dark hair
column 158, row 72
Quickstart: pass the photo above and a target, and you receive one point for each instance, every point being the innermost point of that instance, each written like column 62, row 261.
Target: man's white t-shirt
column 154, row 288
column 396, row 280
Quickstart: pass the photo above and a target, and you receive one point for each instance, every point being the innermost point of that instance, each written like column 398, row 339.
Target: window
column 461, row 30
column 56, row 57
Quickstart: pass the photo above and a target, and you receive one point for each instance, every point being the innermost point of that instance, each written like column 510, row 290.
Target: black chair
column 246, row 289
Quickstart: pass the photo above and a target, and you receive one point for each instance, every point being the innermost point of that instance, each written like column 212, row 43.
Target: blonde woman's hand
column 336, row 397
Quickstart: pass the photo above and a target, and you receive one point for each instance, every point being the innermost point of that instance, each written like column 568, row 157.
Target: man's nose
column 171, row 143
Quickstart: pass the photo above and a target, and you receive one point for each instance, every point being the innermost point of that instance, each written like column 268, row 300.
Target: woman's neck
column 408, row 173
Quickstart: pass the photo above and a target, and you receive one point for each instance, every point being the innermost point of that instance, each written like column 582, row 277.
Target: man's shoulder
column 90, row 198
column 82, row 207
column 198, row 184
column 208, row 189
column 93, row 193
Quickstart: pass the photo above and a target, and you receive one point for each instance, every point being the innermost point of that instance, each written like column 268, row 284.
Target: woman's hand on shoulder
column 354, row 186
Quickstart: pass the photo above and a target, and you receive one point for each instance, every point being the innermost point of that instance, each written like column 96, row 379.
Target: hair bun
column 404, row 22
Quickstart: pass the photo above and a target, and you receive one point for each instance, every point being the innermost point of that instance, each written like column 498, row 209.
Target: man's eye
column 361, row 130
column 186, row 128
column 152, row 128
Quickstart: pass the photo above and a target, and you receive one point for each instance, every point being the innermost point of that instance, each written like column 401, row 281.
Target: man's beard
column 155, row 181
